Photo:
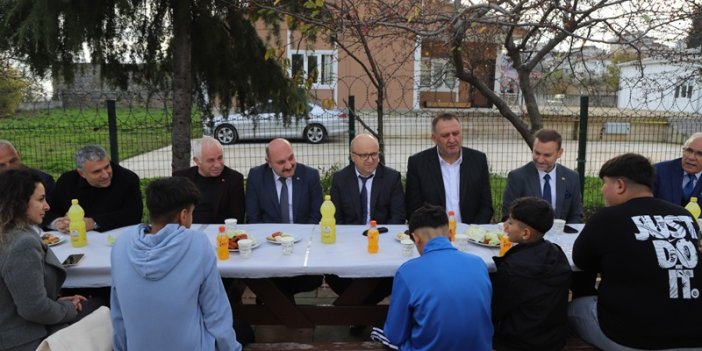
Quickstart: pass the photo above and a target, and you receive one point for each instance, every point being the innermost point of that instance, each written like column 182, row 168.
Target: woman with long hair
column 31, row 275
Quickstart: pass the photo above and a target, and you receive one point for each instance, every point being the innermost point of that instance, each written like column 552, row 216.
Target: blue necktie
column 284, row 209
column 547, row 189
column 364, row 198
column 687, row 189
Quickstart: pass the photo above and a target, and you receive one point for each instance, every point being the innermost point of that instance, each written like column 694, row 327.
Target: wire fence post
column 112, row 127
column 352, row 120
column 582, row 140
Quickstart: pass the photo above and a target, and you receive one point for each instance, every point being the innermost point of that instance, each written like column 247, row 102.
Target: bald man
column 222, row 188
column 10, row 158
column 367, row 190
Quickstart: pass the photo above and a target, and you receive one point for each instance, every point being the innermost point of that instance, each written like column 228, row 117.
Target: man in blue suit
column 264, row 188
column 677, row 180
column 562, row 187
column 284, row 191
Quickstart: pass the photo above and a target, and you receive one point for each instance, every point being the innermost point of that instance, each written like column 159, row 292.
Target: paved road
column 503, row 154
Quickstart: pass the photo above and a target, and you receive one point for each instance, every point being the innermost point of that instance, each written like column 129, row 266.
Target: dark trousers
column 339, row 285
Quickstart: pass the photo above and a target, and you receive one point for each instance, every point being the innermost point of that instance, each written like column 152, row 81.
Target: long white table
column 348, row 257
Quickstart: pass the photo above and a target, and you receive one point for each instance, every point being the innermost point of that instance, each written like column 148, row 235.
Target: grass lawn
column 48, row 139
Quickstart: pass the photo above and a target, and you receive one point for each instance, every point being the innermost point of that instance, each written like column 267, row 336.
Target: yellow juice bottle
column 328, row 223
column 76, row 226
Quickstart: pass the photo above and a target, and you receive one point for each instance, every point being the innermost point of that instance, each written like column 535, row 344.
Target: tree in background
column 207, row 49
column 694, row 38
column 11, row 87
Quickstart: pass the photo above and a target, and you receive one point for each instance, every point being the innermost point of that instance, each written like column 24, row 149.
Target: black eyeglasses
column 690, row 151
column 373, row 155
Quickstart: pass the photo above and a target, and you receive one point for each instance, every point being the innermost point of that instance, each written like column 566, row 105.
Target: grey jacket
column 31, row 278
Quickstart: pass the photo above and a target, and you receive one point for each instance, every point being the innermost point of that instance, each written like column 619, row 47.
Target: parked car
column 261, row 122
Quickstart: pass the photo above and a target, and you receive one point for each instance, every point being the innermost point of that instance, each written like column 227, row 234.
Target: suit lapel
column 376, row 189
column 351, row 182
column 435, row 168
column 534, row 181
column 298, row 184
column 560, row 192
column 272, row 194
column 676, row 183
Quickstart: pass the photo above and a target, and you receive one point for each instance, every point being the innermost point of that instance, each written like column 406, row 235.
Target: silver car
column 261, row 122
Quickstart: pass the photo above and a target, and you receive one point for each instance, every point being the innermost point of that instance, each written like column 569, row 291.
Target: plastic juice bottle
column 222, row 244
column 373, row 236
column 328, row 223
column 452, row 225
column 693, row 207
column 76, row 226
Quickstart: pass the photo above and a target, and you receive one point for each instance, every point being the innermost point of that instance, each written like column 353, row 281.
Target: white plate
column 401, row 235
column 60, row 237
column 256, row 244
column 486, row 245
column 296, row 238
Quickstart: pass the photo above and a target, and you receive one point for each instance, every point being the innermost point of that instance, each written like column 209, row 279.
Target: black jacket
column 530, row 298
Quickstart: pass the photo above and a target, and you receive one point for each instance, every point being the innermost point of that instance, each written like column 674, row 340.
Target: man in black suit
column 450, row 175
column 365, row 191
column 222, row 188
column 382, row 199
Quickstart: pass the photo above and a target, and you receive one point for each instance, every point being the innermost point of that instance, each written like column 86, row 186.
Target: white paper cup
column 245, row 247
column 558, row 226
column 461, row 242
column 287, row 243
column 407, row 247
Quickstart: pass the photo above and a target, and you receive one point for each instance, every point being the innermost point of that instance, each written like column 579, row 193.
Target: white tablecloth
column 348, row 257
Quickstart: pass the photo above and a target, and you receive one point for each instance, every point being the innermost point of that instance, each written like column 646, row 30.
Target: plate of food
column 484, row 237
column 234, row 241
column 275, row 237
column 52, row 239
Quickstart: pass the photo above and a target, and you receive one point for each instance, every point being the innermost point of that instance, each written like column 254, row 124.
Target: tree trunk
column 182, row 85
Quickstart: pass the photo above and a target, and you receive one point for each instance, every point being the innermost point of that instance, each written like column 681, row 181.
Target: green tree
column 694, row 37
column 208, row 49
column 11, row 86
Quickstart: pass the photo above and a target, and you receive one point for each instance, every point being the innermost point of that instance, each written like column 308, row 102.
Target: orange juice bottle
column 222, row 244
column 452, row 225
column 373, row 237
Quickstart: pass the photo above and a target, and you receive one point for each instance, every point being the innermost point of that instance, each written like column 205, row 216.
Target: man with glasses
column 677, row 180
column 450, row 175
column 363, row 191
column 367, row 190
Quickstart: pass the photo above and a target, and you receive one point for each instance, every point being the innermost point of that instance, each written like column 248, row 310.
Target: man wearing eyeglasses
column 363, row 191
column 677, row 180
column 367, row 190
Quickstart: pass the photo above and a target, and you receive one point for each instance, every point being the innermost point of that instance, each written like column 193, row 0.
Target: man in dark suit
column 677, row 180
column 365, row 191
column 268, row 200
column 265, row 187
column 545, row 178
column 222, row 188
column 450, row 175
column 384, row 200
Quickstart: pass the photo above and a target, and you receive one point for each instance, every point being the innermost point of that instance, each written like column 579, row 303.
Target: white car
column 261, row 122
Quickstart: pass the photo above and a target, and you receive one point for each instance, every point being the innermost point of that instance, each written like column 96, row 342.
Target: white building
column 660, row 85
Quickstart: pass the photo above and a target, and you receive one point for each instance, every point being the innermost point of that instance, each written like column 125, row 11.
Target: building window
column 683, row 91
column 437, row 74
column 319, row 66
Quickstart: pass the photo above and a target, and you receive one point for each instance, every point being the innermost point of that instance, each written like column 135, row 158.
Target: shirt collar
column 442, row 161
column 438, row 243
column 359, row 174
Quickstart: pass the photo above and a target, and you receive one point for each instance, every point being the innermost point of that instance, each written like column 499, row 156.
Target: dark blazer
column 669, row 182
column 425, row 184
column 387, row 202
column 262, row 204
column 524, row 181
column 228, row 201
column 30, row 279
column 118, row 205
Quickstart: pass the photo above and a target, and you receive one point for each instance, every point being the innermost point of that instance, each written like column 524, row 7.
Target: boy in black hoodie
column 530, row 287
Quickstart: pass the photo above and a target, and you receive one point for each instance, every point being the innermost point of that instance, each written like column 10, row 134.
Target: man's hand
column 89, row 223
column 62, row 224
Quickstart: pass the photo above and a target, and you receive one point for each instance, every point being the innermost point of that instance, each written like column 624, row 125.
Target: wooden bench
column 572, row 344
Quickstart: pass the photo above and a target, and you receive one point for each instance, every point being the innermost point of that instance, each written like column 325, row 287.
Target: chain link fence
column 47, row 136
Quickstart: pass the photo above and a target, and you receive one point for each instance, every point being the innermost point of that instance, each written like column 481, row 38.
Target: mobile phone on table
column 381, row 230
column 73, row 260
column 570, row 230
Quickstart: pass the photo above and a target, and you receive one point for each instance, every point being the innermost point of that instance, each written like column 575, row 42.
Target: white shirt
column 279, row 187
column 451, row 175
column 369, row 186
column 552, row 182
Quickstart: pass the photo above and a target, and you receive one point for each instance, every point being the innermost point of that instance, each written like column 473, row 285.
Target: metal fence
column 48, row 137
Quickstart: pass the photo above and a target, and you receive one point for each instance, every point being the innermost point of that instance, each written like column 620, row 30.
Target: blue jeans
column 582, row 317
